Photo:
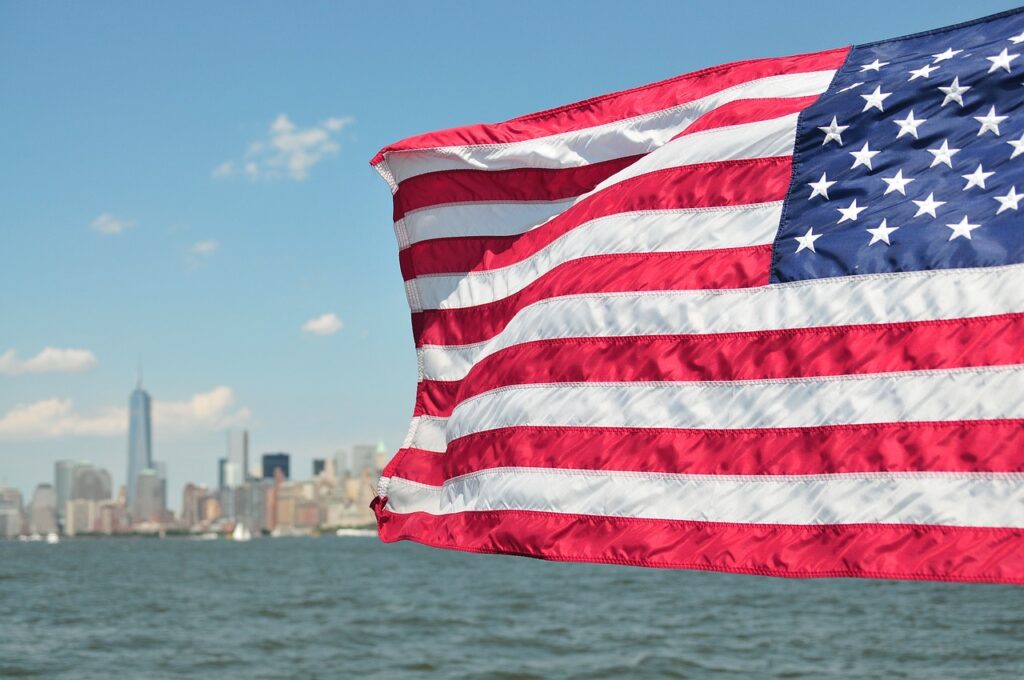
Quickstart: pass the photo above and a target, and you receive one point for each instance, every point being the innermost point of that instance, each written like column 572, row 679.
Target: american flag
column 764, row 318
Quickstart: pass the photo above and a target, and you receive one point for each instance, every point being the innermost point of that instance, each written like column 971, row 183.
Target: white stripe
column 854, row 300
column 760, row 139
column 627, row 137
column 427, row 433
column 941, row 395
column 935, row 498
column 638, row 232
column 480, row 218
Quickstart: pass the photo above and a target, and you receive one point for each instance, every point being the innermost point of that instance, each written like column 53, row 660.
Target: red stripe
column 748, row 111
column 968, row 446
column 520, row 184
column 789, row 353
column 620, row 105
column 687, row 270
column 864, row 550
column 707, row 185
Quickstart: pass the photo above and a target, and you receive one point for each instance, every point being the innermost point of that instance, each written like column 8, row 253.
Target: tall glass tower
column 140, row 439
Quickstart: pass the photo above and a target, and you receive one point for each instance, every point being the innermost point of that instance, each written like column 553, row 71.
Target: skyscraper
column 150, row 501
column 140, row 439
column 63, row 476
column 276, row 461
column 237, row 468
column 89, row 482
column 42, row 516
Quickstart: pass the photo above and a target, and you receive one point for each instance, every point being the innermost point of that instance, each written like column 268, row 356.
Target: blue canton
column 913, row 159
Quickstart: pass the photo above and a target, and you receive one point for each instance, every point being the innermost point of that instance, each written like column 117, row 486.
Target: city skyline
column 231, row 466
column 262, row 498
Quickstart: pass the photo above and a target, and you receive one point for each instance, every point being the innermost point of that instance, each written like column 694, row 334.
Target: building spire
column 138, row 382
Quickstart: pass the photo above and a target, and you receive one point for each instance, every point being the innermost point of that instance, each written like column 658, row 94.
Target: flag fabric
column 764, row 318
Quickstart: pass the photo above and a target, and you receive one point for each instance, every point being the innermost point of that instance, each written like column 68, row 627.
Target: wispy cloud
column 53, row 418
column 205, row 248
column 109, row 225
column 288, row 151
column 49, row 360
column 325, row 324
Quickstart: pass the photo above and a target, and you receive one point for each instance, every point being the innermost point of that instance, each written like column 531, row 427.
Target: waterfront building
column 88, row 482
column 361, row 457
column 81, row 516
column 276, row 461
column 12, row 518
column 193, row 498
column 63, row 474
column 341, row 462
column 42, row 515
column 381, row 456
column 318, row 466
column 237, row 467
column 11, row 498
column 211, row 509
column 140, row 439
column 221, row 468
column 150, row 502
column 10, row 521
column 112, row 517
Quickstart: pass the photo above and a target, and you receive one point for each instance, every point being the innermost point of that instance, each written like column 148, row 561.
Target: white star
column 1018, row 146
column 864, row 156
column 897, row 183
column 977, row 178
column 954, row 92
column 833, row 131
column 943, row 154
column 1016, row 39
column 820, row 188
column 850, row 212
column 927, row 206
column 1010, row 200
column 1001, row 60
column 923, row 72
column 943, row 56
column 807, row 241
column 874, row 66
column 875, row 99
column 909, row 125
column 990, row 122
column 881, row 233
column 962, row 228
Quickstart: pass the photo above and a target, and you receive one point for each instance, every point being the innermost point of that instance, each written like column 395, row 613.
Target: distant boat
column 207, row 536
column 241, row 533
column 355, row 532
column 35, row 537
column 52, row 538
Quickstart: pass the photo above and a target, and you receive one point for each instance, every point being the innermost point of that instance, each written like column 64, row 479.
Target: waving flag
column 766, row 318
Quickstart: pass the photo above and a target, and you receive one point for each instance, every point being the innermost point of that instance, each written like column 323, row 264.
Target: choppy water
column 335, row 607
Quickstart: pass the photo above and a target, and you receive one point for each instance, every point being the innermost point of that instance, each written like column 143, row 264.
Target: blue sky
column 189, row 184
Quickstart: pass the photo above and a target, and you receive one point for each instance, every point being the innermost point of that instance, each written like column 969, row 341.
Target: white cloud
column 108, row 224
column 49, row 360
column 205, row 247
column 225, row 169
column 57, row 418
column 211, row 410
column 52, row 418
column 326, row 324
column 288, row 151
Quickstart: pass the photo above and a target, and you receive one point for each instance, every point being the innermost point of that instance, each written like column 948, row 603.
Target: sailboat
column 241, row 533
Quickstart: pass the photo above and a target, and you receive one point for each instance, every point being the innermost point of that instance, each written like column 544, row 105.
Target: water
column 352, row 607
